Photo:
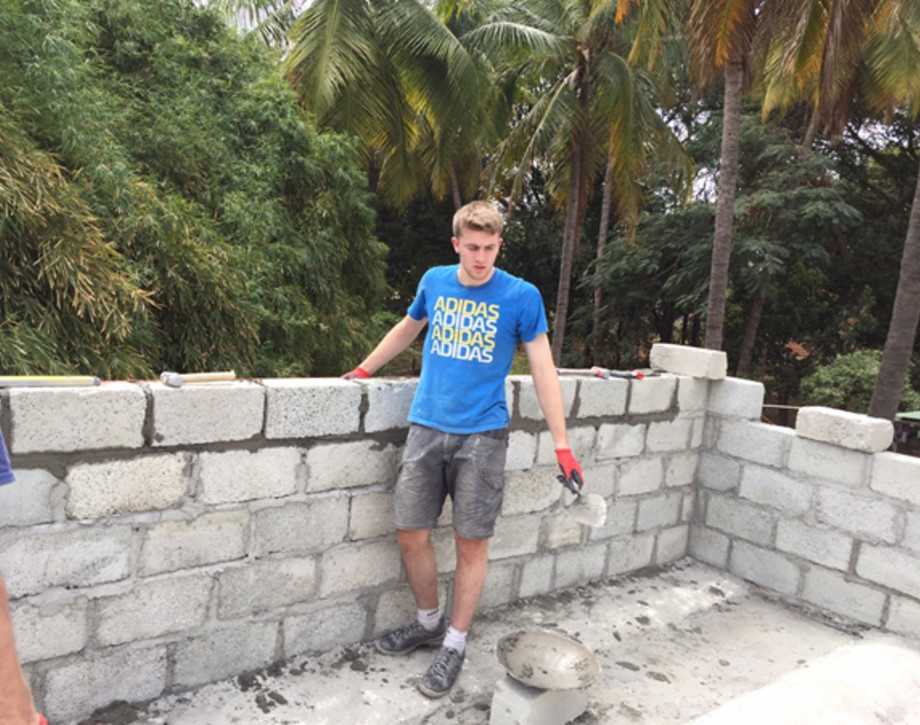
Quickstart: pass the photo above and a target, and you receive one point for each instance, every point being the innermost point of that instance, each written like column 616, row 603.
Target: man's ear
column 456, row 243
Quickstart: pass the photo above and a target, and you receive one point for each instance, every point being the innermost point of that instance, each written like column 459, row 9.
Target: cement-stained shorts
column 468, row 468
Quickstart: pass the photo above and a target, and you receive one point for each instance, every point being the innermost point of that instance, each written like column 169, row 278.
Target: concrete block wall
column 157, row 538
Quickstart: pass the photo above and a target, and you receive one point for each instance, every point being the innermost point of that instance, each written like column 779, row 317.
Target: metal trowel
column 588, row 509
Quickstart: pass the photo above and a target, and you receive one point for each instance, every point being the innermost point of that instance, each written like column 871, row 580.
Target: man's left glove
column 358, row 373
column 571, row 477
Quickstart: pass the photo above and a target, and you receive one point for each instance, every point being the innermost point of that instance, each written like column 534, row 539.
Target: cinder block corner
column 693, row 361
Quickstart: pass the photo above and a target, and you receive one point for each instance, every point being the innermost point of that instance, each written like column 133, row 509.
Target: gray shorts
column 468, row 468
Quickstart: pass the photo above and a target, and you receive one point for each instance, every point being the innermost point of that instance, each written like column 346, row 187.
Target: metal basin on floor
column 547, row 660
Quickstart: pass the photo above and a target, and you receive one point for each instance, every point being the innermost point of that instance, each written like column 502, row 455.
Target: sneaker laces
column 443, row 662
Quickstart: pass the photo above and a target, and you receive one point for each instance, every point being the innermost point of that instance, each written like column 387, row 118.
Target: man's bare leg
column 16, row 706
column 469, row 580
column 421, row 566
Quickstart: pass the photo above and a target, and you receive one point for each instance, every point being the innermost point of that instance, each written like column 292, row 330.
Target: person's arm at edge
column 394, row 342
column 549, row 391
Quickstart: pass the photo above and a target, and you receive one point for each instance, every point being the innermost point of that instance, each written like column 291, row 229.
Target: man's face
column 477, row 250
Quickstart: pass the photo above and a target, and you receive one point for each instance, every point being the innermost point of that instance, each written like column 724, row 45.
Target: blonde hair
column 479, row 216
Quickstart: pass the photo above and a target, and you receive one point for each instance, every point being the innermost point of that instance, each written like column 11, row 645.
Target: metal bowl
column 547, row 660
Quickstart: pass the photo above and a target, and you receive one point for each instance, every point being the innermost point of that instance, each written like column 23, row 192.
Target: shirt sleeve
column 6, row 471
column 532, row 318
column 418, row 310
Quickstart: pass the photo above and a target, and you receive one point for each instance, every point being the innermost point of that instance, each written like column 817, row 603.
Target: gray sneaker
column 443, row 672
column 402, row 641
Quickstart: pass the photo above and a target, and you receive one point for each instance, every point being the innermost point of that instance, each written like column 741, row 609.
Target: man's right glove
column 358, row 373
column 571, row 477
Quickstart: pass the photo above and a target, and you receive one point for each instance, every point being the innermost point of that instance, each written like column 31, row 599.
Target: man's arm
column 549, row 395
column 549, row 391
column 394, row 342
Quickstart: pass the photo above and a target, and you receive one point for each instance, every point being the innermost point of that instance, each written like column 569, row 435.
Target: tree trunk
column 569, row 235
column 725, row 204
column 750, row 335
column 902, row 332
column 602, row 230
column 455, row 188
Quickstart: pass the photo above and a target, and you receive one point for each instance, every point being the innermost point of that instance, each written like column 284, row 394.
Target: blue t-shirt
column 472, row 335
column 6, row 471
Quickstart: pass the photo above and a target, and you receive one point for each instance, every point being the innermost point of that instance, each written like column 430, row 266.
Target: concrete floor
column 673, row 645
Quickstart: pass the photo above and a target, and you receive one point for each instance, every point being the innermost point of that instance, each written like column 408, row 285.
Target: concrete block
column 652, row 395
column 537, row 573
column 659, row 511
column 865, row 516
column 581, row 565
column 862, row 683
column 828, row 462
column 775, row 489
column 51, row 628
column 77, row 419
column 620, row 440
column 896, row 475
column 832, row 591
column 736, row 398
column 600, row 479
column 388, row 404
column 602, row 398
column 371, row 515
column 30, row 500
column 522, row 450
column 529, row 407
column 237, row 476
column 514, row 703
column 323, row 629
column 668, row 435
column 819, row 545
column 519, row 536
column 890, row 567
column 641, row 475
column 692, row 395
column 718, row 473
column 265, row 585
column 764, row 567
column 685, row 360
column 740, row 518
column 709, row 546
column 672, row 544
column 904, row 616
column 499, row 588
column 311, row 407
column 77, row 688
column 358, row 566
column 757, row 442
column 224, row 652
column 300, row 527
column 208, row 539
column 79, row 557
column 208, row 413
column 153, row 608
column 844, row 429
column 621, row 520
column 352, row 464
column 149, row 483
column 631, row 553
column 911, row 539
column 560, row 531
column 680, row 469
column 530, row 491
column 582, row 441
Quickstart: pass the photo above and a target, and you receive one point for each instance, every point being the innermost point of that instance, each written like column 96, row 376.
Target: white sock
column 429, row 618
column 455, row 640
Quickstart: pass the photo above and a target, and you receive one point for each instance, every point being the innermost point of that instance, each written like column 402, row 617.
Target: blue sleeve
column 6, row 471
column 532, row 318
column 418, row 310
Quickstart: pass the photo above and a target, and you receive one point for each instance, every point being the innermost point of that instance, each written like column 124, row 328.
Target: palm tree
column 582, row 107
column 869, row 51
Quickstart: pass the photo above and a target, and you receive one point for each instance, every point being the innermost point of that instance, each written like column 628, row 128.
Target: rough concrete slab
column 673, row 645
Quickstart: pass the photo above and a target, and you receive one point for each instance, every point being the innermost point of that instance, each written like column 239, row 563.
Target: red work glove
column 41, row 720
column 571, row 477
column 358, row 373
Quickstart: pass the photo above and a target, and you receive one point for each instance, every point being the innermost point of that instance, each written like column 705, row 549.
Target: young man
column 16, row 706
column 458, row 435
